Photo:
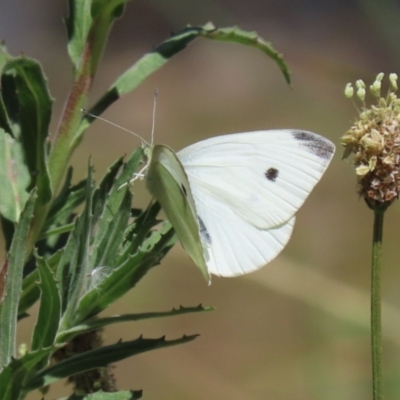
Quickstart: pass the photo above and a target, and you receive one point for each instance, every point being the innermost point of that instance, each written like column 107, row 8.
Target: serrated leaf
column 121, row 395
column 16, row 261
column 127, row 275
column 14, row 177
column 100, row 357
column 30, row 289
column 33, row 118
column 101, row 193
column 110, row 235
column 97, row 323
column 50, row 307
column 13, row 375
column 137, row 232
column 155, row 59
column 73, row 267
column 69, row 198
column 107, row 202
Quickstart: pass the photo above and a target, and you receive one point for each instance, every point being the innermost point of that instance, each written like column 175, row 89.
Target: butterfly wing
column 233, row 246
column 247, row 188
column 166, row 180
column 263, row 176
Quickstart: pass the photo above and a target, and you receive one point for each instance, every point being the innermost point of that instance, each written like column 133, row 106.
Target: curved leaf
column 97, row 323
column 34, row 113
column 16, row 261
column 100, row 357
column 155, row 59
column 50, row 308
column 14, row 177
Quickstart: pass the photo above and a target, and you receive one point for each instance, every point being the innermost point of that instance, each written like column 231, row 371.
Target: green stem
column 376, row 329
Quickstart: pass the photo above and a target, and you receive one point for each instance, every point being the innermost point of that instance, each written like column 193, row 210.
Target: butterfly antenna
column 154, row 116
column 87, row 113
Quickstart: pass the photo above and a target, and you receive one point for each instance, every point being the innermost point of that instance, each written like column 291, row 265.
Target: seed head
column 374, row 141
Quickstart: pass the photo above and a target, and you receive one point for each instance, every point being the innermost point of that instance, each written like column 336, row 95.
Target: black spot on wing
column 204, row 235
column 318, row 145
column 271, row 174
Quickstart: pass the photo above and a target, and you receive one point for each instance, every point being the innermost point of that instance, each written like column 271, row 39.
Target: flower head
column 374, row 141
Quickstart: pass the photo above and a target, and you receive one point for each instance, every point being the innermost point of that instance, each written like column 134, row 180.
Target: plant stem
column 376, row 329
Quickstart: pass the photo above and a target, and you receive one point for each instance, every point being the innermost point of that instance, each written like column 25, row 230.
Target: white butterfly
column 242, row 190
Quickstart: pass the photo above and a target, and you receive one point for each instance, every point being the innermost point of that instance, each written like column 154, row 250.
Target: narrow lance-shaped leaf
column 34, row 113
column 108, row 201
column 13, row 376
column 73, row 267
column 155, row 59
column 111, row 235
column 100, row 357
column 88, row 24
column 97, row 323
column 236, row 35
column 101, row 193
column 14, row 177
column 16, row 261
column 126, row 276
column 78, row 24
column 50, row 308
column 69, row 198
column 5, row 123
column 30, row 290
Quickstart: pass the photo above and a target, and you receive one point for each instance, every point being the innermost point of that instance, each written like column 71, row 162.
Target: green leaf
column 100, row 357
column 138, row 231
column 88, row 24
column 4, row 121
column 155, row 59
column 73, row 267
column 30, row 289
column 69, row 198
column 236, row 35
column 111, row 186
column 121, row 395
column 127, row 275
column 78, row 24
column 50, row 308
column 97, row 323
column 13, row 375
column 102, row 192
column 16, row 261
column 108, row 202
column 34, row 113
column 104, row 13
column 107, row 240
column 4, row 55
column 14, row 177
column 166, row 180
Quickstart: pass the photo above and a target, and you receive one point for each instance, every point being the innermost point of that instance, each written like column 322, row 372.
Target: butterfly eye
column 271, row 174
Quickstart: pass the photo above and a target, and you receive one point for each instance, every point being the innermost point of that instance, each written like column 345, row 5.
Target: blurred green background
column 298, row 328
